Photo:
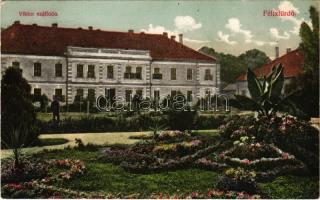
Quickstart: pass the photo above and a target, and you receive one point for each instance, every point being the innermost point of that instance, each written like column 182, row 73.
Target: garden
column 272, row 154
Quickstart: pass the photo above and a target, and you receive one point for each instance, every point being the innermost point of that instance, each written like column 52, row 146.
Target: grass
column 107, row 178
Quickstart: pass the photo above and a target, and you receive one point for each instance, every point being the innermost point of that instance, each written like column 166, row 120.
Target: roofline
column 274, row 60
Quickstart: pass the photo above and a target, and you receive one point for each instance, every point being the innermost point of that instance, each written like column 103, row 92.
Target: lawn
column 107, row 178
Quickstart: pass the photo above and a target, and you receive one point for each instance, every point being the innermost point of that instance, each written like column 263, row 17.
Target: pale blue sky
column 227, row 26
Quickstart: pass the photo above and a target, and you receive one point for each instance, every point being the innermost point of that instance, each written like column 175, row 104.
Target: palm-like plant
column 266, row 94
column 156, row 128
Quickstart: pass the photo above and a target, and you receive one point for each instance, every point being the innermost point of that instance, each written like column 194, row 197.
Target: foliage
column 238, row 179
column 31, row 169
column 17, row 112
column 141, row 122
column 232, row 66
column 266, row 97
column 308, row 81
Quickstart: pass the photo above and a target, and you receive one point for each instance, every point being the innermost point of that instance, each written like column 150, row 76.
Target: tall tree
column 17, row 112
column 307, row 99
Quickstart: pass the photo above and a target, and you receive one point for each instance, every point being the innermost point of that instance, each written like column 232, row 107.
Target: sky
column 233, row 26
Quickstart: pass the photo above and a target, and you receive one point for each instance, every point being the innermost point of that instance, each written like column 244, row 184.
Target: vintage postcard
column 160, row 99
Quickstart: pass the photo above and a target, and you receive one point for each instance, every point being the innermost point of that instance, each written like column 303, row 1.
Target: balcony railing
column 132, row 75
column 157, row 76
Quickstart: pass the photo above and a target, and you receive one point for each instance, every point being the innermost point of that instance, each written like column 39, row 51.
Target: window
column 58, row 70
column 157, row 70
column 138, row 73
column 128, row 95
column 128, row 69
column 139, row 93
column 37, row 92
column 16, row 64
column 173, row 74
column 156, row 94
column 37, row 69
column 156, row 74
column 80, row 71
column 189, row 74
column 173, row 93
column 189, row 96
column 91, row 96
column 110, row 94
column 208, row 75
column 58, row 94
column 110, row 72
column 90, row 71
column 80, row 93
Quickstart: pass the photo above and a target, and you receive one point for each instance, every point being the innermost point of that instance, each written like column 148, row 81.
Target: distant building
column 292, row 63
column 70, row 62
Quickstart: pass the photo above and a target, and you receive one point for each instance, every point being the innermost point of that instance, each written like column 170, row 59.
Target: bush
column 30, row 169
column 238, row 180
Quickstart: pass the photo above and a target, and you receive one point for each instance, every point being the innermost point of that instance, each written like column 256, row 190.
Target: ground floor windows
column 37, row 92
column 58, row 95
column 128, row 94
column 189, row 96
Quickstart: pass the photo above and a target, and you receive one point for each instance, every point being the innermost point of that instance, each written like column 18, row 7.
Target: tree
column 308, row 81
column 17, row 115
column 232, row 66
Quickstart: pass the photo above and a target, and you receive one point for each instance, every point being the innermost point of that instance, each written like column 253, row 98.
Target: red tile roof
column 42, row 40
column 292, row 63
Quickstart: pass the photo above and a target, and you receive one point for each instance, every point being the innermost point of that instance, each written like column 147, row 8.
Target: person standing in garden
column 55, row 107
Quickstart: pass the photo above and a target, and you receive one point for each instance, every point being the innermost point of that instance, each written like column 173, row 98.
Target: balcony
column 132, row 75
column 156, row 76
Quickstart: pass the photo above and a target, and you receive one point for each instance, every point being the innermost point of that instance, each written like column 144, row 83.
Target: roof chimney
column 130, row 31
column 90, row 28
column 181, row 38
column 54, row 25
column 173, row 37
column 16, row 22
column 277, row 52
column 165, row 34
column 288, row 50
column 34, row 25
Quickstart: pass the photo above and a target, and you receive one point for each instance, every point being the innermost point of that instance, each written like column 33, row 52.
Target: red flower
column 285, row 155
column 194, row 195
column 246, row 161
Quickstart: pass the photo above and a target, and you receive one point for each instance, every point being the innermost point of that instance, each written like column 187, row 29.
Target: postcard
column 160, row 99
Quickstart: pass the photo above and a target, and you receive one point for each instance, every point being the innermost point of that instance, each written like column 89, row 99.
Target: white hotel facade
column 66, row 62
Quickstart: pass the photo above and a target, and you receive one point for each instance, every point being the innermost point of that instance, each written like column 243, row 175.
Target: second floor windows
column 91, row 73
column 58, row 68
column 110, row 72
column 37, row 69
column 128, row 74
column 156, row 73
column 208, row 75
column 80, row 71
column 173, row 74
column 189, row 74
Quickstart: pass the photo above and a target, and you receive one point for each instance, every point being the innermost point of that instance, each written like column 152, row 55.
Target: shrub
column 30, row 169
column 238, row 180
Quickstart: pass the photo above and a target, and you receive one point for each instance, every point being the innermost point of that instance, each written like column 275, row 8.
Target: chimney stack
column 288, row 50
column 90, row 28
column 165, row 34
column 130, row 31
column 54, row 25
column 181, row 38
column 16, row 22
column 277, row 52
column 173, row 37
